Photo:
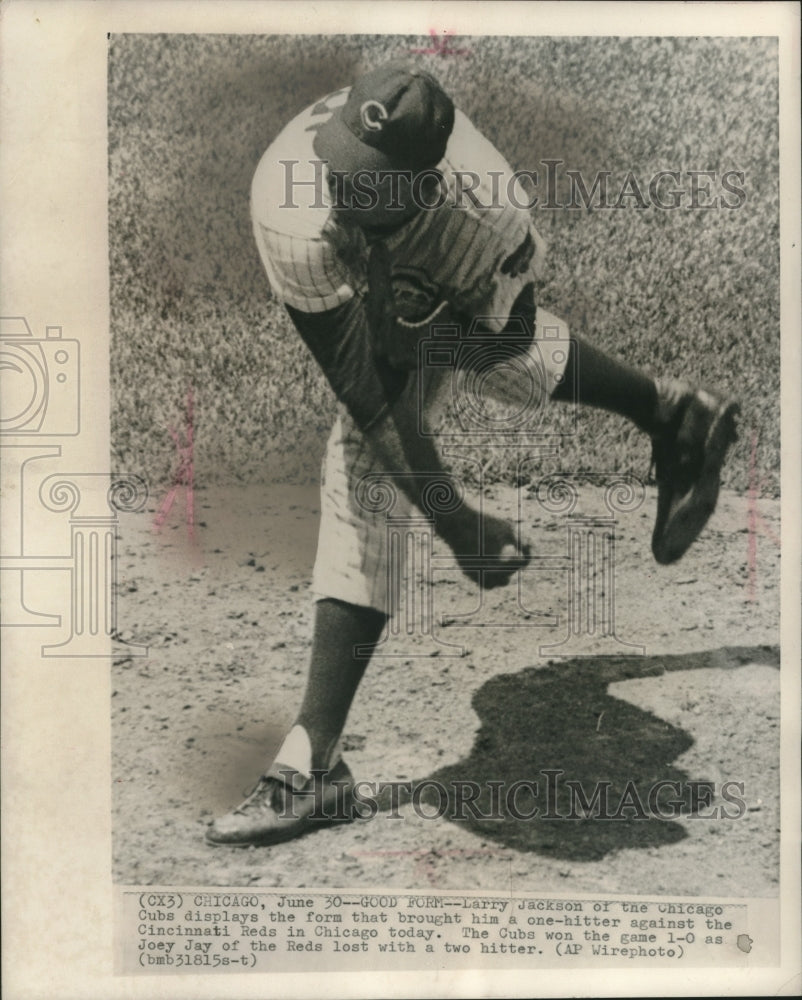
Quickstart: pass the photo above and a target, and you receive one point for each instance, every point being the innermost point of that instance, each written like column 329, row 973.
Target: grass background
column 690, row 293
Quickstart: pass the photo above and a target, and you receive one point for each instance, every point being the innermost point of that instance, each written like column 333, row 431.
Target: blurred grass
column 690, row 293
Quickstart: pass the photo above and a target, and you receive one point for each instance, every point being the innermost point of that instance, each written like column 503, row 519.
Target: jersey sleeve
column 303, row 272
column 291, row 217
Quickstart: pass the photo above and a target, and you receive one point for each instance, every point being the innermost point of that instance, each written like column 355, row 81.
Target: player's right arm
column 373, row 392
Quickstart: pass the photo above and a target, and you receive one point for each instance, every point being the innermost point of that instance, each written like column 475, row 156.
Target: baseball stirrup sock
column 593, row 378
column 335, row 672
column 295, row 752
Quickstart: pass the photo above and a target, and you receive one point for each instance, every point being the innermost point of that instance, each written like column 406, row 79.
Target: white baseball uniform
column 476, row 250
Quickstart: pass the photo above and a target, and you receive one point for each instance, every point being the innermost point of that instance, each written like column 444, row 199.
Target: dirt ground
column 227, row 622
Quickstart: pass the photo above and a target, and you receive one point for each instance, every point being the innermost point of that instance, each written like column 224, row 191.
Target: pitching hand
column 501, row 556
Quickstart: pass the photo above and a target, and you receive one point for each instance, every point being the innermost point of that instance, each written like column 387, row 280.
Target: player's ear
column 432, row 188
column 337, row 181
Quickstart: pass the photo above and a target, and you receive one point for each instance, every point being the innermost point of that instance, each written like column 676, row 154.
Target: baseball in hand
column 515, row 555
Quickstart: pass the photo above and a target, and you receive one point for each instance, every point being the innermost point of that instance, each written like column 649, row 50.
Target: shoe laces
column 660, row 455
column 671, row 394
column 259, row 797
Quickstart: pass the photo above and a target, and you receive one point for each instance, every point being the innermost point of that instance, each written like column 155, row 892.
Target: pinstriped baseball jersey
column 476, row 250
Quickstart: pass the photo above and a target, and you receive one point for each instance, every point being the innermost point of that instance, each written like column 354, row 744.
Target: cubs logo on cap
column 395, row 118
column 373, row 113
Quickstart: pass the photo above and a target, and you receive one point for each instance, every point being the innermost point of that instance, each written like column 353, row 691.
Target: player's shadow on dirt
column 561, row 718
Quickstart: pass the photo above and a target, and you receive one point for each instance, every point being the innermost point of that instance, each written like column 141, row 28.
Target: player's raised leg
column 691, row 430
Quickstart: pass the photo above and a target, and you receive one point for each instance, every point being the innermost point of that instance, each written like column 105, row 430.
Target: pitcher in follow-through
column 379, row 212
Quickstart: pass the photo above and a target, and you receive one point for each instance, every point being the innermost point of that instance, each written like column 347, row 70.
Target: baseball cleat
column 285, row 804
column 688, row 452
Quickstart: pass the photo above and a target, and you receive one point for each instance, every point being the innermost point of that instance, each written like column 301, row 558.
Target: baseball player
column 378, row 212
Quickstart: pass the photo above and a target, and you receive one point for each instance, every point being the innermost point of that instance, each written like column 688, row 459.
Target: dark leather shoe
column 286, row 804
column 688, row 452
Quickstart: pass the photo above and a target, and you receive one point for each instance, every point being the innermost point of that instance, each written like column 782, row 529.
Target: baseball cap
column 395, row 118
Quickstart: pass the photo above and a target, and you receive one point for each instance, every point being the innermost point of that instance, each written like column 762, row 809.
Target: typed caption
column 231, row 931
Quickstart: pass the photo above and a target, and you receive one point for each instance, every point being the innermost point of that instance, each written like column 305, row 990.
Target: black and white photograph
column 438, row 573
column 618, row 298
